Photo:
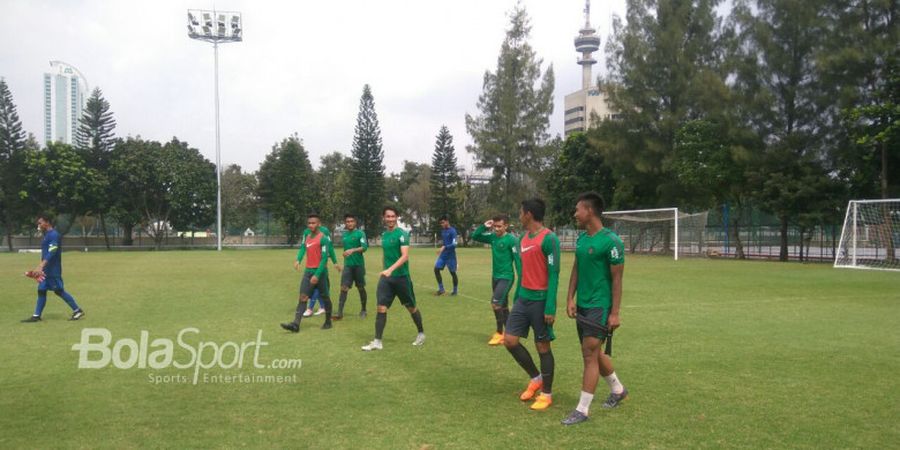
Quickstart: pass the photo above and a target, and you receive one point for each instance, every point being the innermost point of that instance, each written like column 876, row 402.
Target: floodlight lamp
column 193, row 19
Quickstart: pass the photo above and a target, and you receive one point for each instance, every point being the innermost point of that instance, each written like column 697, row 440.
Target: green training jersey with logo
column 326, row 232
column 595, row 255
column 355, row 239
column 391, row 242
column 503, row 251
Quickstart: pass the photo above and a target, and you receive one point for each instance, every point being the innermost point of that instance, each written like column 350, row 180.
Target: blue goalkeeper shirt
column 51, row 251
column 448, row 235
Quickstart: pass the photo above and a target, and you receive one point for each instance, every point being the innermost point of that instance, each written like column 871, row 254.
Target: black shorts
column 591, row 322
column 527, row 314
column 307, row 287
column 501, row 287
column 390, row 287
column 353, row 274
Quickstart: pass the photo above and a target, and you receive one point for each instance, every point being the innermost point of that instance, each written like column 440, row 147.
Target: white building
column 65, row 94
column 581, row 104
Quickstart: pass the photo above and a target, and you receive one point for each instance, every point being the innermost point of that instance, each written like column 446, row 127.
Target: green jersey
column 391, row 242
column 503, row 251
column 326, row 232
column 595, row 255
column 355, row 239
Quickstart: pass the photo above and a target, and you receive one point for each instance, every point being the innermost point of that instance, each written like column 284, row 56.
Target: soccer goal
column 870, row 235
column 658, row 231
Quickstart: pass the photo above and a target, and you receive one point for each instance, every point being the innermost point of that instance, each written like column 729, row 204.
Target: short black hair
column 46, row 218
column 501, row 217
column 349, row 216
column 594, row 200
column 443, row 218
column 389, row 208
column 313, row 216
column 536, row 207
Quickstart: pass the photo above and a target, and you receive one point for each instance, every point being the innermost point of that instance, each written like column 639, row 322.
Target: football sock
column 68, row 299
column 505, row 316
column 440, row 280
column 455, row 281
column 584, row 404
column 547, row 363
column 328, row 307
column 363, row 296
column 380, row 322
column 301, row 308
column 341, row 301
column 417, row 319
column 521, row 355
column 614, row 385
column 498, row 315
column 41, row 302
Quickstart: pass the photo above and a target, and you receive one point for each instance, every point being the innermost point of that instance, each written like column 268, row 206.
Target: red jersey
column 534, row 262
column 313, row 251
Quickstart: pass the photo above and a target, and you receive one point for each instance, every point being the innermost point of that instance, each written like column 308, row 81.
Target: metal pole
column 218, row 157
column 853, row 254
column 676, row 234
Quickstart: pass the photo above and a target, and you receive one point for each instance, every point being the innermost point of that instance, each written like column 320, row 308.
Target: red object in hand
column 36, row 276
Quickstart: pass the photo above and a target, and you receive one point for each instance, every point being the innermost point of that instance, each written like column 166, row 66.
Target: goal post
column 659, row 231
column 870, row 235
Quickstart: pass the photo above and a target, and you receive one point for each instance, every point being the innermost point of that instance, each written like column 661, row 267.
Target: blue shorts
column 51, row 284
column 448, row 261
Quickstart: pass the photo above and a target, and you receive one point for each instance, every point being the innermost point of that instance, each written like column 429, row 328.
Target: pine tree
column 95, row 139
column 444, row 179
column 12, row 163
column 515, row 107
column 367, row 186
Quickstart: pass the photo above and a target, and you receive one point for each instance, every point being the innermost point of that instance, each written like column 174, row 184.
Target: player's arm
column 300, row 253
column 517, row 265
column 573, row 285
column 363, row 244
column 323, row 264
column 331, row 252
column 452, row 237
column 616, row 269
column 52, row 252
column 550, row 247
column 482, row 234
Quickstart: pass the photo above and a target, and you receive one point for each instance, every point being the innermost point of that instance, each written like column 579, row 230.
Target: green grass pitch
column 715, row 354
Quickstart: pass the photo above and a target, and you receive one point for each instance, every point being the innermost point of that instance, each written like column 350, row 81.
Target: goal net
column 870, row 235
column 662, row 231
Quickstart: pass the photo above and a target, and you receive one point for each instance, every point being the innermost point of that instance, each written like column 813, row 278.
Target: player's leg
column 590, row 352
column 385, row 296
column 497, row 337
column 617, row 391
column 58, row 288
column 543, row 335
column 439, row 265
column 451, row 265
column 346, row 282
column 325, row 299
column 39, row 306
column 408, row 299
column 517, row 327
column 306, row 290
column 311, row 302
column 360, row 281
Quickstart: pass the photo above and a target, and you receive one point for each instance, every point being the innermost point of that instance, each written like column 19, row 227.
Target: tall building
column 65, row 93
column 587, row 100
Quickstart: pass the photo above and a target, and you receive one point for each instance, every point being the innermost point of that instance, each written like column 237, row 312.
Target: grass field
column 715, row 354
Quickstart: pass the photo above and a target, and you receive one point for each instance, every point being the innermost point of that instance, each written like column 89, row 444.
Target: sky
column 300, row 69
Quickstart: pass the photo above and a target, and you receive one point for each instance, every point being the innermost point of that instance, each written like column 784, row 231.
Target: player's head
column 313, row 221
column 444, row 221
column 532, row 211
column 501, row 224
column 349, row 222
column 389, row 214
column 44, row 222
column 588, row 207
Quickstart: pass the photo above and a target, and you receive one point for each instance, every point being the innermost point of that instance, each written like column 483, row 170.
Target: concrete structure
column 581, row 104
column 65, row 94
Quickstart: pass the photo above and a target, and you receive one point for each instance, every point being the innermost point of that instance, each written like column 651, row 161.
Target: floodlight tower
column 587, row 42
column 218, row 27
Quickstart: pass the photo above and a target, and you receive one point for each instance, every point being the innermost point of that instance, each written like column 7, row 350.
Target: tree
column 579, row 168
column 783, row 99
column 58, row 181
column 285, row 187
column 415, row 185
column 473, row 207
column 13, row 208
column 444, row 179
column 367, row 183
column 95, row 139
column 665, row 67
column 239, row 202
column 193, row 188
column 125, row 162
column 332, row 182
column 514, row 114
